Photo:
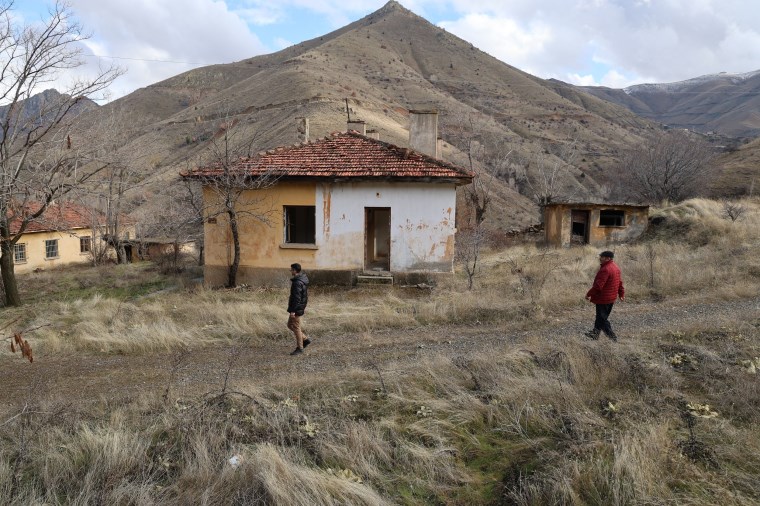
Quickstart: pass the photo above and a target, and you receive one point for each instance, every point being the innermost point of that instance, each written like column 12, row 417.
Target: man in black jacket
column 299, row 297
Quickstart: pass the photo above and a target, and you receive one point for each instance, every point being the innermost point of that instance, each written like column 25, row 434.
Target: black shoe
column 613, row 337
column 297, row 351
column 306, row 342
column 592, row 334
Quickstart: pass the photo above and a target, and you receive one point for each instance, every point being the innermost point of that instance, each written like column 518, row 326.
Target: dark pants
column 602, row 322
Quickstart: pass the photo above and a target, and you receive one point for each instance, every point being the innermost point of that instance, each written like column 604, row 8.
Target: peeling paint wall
column 422, row 224
column 261, row 243
column 422, row 227
column 558, row 224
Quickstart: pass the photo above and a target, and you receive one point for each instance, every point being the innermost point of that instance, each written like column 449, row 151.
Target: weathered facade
column 61, row 236
column 45, row 250
column 596, row 224
column 341, row 206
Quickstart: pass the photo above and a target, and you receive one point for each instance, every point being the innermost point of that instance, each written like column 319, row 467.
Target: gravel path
column 86, row 378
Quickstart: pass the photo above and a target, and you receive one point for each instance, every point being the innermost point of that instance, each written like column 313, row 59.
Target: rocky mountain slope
column 382, row 65
column 728, row 104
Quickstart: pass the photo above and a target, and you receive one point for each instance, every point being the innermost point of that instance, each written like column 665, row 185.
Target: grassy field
column 667, row 416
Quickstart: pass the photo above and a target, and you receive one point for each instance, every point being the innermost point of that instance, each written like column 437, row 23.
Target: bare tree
column 669, row 167
column 469, row 244
column 733, row 210
column 179, row 221
column 548, row 176
column 118, row 179
column 487, row 157
column 231, row 188
column 40, row 161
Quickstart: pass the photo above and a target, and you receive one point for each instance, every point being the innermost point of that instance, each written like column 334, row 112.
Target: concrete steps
column 374, row 278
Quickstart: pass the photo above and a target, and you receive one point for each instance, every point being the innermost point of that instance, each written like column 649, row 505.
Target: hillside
column 739, row 173
column 384, row 64
column 727, row 104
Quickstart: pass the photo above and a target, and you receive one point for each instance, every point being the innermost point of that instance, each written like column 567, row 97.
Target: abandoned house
column 344, row 206
column 61, row 236
column 596, row 224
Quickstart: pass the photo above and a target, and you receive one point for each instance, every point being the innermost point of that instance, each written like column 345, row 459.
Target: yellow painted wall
column 68, row 250
column 260, row 243
column 553, row 224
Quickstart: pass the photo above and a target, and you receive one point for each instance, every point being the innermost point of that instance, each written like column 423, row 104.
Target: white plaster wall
column 422, row 224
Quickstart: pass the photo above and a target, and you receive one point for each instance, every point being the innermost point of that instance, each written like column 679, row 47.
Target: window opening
column 611, row 218
column 19, row 252
column 85, row 244
column 300, row 224
column 51, row 248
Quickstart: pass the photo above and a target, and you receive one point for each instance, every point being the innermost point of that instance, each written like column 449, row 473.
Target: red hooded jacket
column 608, row 284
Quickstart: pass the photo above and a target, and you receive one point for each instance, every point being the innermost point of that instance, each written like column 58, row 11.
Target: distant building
column 597, row 224
column 63, row 235
column 342, row 206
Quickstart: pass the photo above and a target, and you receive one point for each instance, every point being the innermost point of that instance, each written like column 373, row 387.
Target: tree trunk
column 232, row 277
column 121, row 253
column 12, row 297
column 176, row 257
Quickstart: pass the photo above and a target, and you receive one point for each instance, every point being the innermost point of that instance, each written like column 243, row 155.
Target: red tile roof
column 344, row 155
column 63, row 216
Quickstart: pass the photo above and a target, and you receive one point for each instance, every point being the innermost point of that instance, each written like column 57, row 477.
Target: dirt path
column 91, row 378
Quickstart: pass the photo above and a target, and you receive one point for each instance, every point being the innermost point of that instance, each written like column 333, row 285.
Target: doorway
column 579, row 232
column 377, row 239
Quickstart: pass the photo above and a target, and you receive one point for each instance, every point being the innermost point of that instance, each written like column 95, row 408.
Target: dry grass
column 544, row 421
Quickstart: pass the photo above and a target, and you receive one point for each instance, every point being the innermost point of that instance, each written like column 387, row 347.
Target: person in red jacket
column 607, row 287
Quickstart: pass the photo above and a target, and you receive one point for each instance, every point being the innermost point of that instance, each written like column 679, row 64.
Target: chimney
column 423, row 132
column 373, row 134
column 357, row 125
column 302, row 129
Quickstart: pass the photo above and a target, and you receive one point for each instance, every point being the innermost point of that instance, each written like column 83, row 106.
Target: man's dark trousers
column 602, row 322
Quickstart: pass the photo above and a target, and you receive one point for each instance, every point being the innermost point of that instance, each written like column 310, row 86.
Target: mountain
column 727, row 104
column 382, row 65
column 40, row 107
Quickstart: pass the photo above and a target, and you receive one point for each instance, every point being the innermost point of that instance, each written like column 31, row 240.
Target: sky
column 613, row 43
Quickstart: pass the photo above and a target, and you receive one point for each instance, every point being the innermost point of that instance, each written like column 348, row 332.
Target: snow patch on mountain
column 680, row 85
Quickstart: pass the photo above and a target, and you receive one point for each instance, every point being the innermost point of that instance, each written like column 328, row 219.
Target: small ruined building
column 344, row 207
column 61, row 236
column 596, row 224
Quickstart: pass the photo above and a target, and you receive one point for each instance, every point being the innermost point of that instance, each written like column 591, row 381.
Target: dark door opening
column 579, row 232
column 377, row 238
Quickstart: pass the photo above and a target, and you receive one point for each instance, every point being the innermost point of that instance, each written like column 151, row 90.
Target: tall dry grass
column 694, row 253
column 537, row 421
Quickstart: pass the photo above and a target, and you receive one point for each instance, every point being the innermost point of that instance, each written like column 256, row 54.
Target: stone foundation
column 216, row 276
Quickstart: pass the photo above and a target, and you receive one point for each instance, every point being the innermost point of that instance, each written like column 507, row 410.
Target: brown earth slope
column 384, row 64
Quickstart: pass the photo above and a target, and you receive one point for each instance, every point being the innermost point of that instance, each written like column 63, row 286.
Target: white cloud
column 190, row 31
column 666, row 40
column 281, row 43
column 503, row 38
column 579, row 80
column 581, row 41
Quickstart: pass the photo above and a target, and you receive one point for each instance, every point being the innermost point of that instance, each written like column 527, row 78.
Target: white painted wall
column 422, row 224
